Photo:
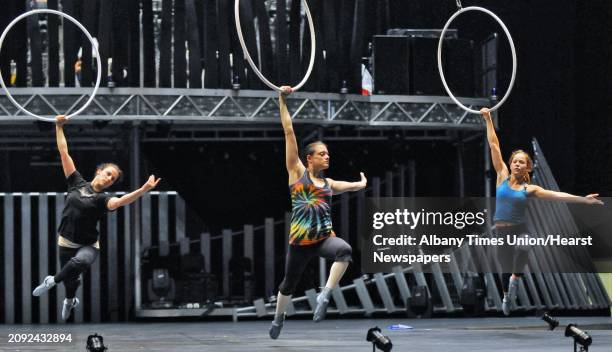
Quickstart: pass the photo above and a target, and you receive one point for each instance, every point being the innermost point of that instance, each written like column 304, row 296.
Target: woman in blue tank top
column 513, row 189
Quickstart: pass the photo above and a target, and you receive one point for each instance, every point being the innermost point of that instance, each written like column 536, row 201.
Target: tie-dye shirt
column 311, row 220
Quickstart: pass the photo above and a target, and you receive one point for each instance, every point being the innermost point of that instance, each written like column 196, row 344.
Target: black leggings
column 513, row 257
column 74, row 261
column 333, row 248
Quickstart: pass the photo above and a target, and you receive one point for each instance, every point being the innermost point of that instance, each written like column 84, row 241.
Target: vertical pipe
column 411, row 178
column 360, row 212
column 376, row 187
column 141, row 46
column 180, row 217
column 388, row 184
column 344, row 216
column 487, row 185
column 135, row 234
column 60, row 291
column 269, row 256
column 162, row 213
column 112, row 265
column 205, row 250
column 460, row 169
column 227, row 255
column 146, row 221
column 9, row 266
column 43, row 254
column 287, row 225
column 26, row 258
column 95, row 290
column 127, row 263
column 248, row 243
column 402, row 182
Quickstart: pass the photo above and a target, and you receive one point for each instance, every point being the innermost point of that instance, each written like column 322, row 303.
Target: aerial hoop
column 313, row 47
column 442, row 35
column 82, row 28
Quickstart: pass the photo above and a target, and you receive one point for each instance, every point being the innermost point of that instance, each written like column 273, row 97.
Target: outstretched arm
column 116, row 202
column 343, row 186
column 62, row 146
column 295, row 168
column 498, row 162
column 540, row 192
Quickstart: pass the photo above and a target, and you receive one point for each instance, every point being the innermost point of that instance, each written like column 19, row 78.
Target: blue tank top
column 510, row 205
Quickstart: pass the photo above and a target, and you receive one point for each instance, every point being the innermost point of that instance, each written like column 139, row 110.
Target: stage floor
column 338, row 335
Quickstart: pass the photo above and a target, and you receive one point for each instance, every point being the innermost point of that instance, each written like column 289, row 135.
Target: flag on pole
column 366, row 81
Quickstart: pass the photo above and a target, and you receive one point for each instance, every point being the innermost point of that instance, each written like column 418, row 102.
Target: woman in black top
column 85, row 205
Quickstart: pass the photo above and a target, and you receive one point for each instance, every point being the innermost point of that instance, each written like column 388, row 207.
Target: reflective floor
column 456, row 335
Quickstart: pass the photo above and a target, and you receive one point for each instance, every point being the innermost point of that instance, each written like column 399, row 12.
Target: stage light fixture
column 552, row 322
column 95, row 343
column 236, row 82
column 580, row 337
column 344, row 87
column 378, row 340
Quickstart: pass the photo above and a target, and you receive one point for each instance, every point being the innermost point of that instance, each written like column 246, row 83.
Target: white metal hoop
column 91, row 40
column 313, row 47
column 442, row 35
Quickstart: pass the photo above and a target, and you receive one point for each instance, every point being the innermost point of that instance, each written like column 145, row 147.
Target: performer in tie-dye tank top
column 311, row 232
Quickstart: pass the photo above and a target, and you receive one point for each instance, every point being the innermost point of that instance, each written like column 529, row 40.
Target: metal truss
column 100, row 136
column 206, row 106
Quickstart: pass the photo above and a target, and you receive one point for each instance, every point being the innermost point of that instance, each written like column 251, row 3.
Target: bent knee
column 344, row 253
column 287, row 287
column 79, row 263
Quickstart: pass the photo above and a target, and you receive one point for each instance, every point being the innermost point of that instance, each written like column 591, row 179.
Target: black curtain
column 265, row 43
column 295, row 48
column 87, row 69
column 53, row 35
column 319, row 71
column 121, row 42
column 35, row 50
column 211, row 44
column 358, row 43
column 331, row 45
column 345, row 27
column 71, row 41
column 148, row 43
column 592, row 87
column 165, row 51
column 180, row 61
column 383, row 17
column 105, row 35
column 312, row 83
column 134, row 43
column 247, row 16
column 282, row 37
column 195, row 64
column 20, row 52
column 238, row 69
column 224, row 14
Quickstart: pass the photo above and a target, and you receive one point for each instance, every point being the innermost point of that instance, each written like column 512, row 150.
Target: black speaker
column 425, row 76
column 458, row 62
column 391, row 64
column 419, row 304
column 193, row 290
column 191, row 264
column 472, row 296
